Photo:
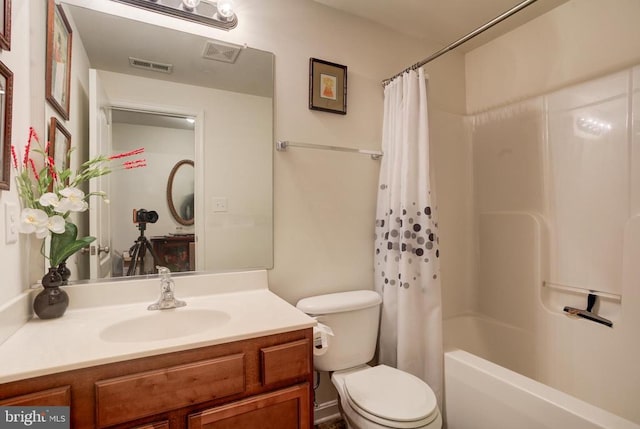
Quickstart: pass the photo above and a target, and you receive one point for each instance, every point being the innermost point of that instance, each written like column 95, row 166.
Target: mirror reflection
column 180, row 192
column 223, row 218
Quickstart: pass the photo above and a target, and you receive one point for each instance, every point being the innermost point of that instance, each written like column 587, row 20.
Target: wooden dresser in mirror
column 176, row 252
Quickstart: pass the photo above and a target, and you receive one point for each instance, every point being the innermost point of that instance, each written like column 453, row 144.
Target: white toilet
column 377, row 397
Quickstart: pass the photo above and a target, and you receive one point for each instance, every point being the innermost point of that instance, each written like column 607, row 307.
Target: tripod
column 139, row 250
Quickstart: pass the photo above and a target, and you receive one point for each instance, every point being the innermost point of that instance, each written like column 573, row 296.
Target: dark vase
column 64, row 272
column 52, row 302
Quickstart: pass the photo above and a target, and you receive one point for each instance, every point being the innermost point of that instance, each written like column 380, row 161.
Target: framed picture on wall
column 5, row 25
column 58, row 73
column 6, row 103
column 327, row 86
column 59, row 145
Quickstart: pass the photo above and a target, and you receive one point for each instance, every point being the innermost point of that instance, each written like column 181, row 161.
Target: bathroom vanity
column 250, row 368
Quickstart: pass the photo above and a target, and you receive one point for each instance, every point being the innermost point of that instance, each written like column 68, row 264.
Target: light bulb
column 225, row 9
column 190, row 4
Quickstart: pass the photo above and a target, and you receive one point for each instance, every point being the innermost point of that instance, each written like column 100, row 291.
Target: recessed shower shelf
column 583, row 291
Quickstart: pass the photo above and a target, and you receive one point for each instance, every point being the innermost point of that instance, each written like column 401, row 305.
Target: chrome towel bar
column 282, row 145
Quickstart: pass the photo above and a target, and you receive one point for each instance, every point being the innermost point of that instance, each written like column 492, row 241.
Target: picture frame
column 58, row 71
column 59, row 145
column 6, row 108
column 327, row 86
column 5, row 25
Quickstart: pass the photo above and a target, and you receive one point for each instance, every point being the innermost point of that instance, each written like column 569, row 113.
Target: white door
column 99, row 144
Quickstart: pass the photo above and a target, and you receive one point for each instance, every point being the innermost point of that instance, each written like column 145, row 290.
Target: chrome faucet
column 167, row 299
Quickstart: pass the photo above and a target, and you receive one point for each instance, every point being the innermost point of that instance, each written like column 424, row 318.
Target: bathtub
column 481, row 393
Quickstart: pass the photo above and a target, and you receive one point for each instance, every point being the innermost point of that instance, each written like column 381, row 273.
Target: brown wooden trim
column 60, row 396
column 299, row 393
column 139, row 395
column 285, row 362
column 7, row 119
column 5, row 37
column 83, row 390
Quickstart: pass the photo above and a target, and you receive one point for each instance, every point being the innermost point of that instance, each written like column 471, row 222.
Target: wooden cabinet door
column 59, row 396
column 283, row 409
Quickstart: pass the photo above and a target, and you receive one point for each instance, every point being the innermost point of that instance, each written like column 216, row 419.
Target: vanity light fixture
column 218, row 14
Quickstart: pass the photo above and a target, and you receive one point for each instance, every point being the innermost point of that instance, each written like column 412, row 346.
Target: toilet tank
column 354, row 317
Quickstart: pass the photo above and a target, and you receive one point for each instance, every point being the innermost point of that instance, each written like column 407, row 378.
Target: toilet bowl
column 378, row 397
column 382, row 397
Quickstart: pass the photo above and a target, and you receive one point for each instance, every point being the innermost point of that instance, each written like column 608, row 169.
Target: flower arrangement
column 49, row 195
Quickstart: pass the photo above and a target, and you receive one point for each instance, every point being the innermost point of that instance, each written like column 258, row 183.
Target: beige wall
column 324, row 202
column 579, row 40
column 14, row 257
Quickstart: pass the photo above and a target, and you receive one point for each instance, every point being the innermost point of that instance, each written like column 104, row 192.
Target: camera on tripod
column 141, row 246
column 145, row 216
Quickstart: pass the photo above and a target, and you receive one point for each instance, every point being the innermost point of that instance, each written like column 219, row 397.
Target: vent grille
column 219, row 51
column 150, row 65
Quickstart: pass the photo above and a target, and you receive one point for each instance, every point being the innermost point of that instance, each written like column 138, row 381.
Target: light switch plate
column 11, row 219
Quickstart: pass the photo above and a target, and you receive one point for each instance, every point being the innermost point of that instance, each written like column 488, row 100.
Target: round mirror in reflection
column 180, row 192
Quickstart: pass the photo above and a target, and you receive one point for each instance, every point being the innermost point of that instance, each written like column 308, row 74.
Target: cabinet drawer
column 57, row 397
column 134, row 396
column 285, row 361
column 157, row 425
column 283, row 409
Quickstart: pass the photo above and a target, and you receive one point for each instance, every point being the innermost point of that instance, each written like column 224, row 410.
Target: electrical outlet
column 219, row 204
column 11, row 219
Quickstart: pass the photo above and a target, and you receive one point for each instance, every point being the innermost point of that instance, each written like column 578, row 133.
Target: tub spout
column 588, row 313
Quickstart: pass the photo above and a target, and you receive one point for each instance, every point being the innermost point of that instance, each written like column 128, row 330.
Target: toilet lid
column 385, row 393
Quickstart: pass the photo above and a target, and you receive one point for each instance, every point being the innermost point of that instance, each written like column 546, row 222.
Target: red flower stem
column 126, row 154
column 14, row 156
column 33, row 168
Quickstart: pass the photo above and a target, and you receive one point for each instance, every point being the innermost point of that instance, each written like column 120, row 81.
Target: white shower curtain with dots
column 406, row 261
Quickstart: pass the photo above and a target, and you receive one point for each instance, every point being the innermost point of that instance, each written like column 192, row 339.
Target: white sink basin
column 164, row 324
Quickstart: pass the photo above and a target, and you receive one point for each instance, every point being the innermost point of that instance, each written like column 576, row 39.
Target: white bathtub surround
column 406, row 257
column 87, row 334
column 556, row 181
column 483, row 395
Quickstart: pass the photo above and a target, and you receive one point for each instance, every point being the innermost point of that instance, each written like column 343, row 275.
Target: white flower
column 33, row 220
column 48, row 199
column 36, row 220
column 56, row 224
column 73, row 201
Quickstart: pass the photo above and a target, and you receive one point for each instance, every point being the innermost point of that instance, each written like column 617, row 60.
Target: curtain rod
column 464, row 39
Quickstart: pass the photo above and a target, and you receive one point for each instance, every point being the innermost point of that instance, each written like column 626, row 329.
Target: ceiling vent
column 219, row 51
column 150, row 65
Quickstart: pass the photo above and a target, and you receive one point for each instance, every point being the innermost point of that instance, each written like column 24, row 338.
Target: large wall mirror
column 211, row 105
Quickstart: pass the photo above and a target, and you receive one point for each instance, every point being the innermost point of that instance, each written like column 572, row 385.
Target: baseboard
column 326, row 412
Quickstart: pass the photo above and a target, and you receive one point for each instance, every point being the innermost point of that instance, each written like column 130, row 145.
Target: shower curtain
column 406, row 241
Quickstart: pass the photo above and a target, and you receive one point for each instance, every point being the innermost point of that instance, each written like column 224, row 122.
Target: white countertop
column 73, row 341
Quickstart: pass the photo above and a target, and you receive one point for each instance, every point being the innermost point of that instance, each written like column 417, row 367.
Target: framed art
column 59, row 145
column 58, row 74
column 6, row 103
column 5, row 25
column 327, row 86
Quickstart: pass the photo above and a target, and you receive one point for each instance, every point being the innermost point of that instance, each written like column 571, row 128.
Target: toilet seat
column 390, row 397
